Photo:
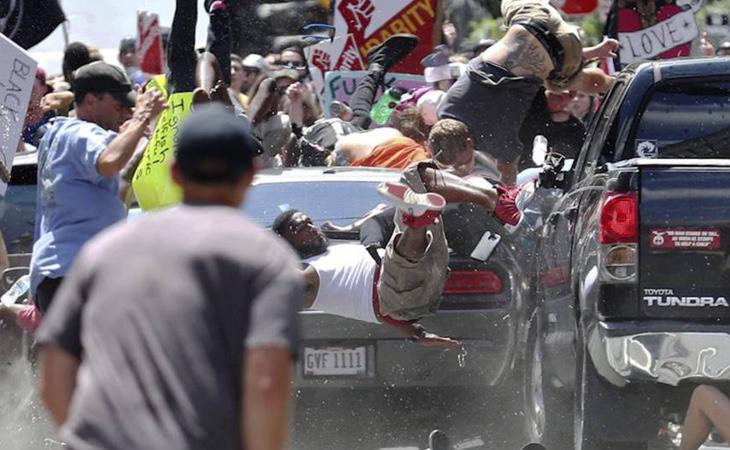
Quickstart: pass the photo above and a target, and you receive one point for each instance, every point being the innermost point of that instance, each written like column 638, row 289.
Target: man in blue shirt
column 79, row 161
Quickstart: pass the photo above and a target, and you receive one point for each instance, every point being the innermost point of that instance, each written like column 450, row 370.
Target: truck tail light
column 618, row 235
column 462, row 282
column 619, row 219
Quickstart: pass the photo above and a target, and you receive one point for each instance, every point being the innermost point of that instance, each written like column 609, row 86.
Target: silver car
column 483, row 306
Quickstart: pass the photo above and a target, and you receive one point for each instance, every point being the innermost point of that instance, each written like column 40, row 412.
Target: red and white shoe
column 419, row 210
column 506, row 210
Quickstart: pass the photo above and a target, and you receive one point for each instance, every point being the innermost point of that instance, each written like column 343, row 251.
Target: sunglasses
column 293, row 65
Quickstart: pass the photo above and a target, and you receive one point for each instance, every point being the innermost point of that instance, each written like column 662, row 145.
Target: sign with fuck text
column 653, row 30
column 340, row 85
column 370, row 22
column 17, row 76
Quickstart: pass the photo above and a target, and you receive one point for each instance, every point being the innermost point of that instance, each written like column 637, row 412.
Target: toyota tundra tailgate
column 684, row 270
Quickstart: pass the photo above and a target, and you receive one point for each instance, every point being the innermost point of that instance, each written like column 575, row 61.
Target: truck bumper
column 668, row 357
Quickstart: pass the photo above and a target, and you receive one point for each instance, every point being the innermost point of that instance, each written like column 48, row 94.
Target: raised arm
column 116, row 155
column 606, row 49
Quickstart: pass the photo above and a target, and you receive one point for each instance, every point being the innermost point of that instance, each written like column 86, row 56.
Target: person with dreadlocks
column 494, row 95
column 405, row 284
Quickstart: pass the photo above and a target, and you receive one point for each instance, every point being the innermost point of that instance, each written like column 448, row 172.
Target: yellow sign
column 152, row 182
column 158, row 82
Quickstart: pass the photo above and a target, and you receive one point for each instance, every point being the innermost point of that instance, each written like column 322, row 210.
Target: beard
column 313, row 248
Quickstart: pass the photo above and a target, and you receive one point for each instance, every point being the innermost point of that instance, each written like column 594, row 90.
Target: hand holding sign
column 149, row 105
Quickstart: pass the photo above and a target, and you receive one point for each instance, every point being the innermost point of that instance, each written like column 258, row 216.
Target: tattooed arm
column 520, row 53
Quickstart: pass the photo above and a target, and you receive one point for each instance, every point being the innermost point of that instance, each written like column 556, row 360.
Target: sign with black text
column 17, row 75
column 655, row 30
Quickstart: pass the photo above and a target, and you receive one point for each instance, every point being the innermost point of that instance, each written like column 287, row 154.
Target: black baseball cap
column 215, row 146
column 102, row 78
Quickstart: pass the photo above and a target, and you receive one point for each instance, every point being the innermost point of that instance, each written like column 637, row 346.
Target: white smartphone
column 486, row 246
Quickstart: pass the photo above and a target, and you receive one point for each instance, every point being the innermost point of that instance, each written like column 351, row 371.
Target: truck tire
column 546, row 410
column 595, row 408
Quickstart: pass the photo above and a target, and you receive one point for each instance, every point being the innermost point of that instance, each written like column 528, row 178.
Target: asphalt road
column 324, row 419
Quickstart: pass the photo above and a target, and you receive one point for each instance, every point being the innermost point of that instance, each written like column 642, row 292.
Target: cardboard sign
column 685, row 239
column 149, row 43
column 152, row 182
column 647, row 30
column 370, row 22
column 17, row 76
column 341, row 85
column 340, row 54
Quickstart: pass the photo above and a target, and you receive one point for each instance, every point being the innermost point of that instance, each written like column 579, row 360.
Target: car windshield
column 686, row 120
column 341, row 202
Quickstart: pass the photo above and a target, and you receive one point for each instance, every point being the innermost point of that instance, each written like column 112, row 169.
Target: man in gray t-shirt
column 178, row 330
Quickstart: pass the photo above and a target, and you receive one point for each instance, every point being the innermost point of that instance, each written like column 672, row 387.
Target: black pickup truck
column 633, row 264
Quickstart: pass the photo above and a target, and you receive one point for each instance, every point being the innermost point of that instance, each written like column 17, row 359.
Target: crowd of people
column 158, row 335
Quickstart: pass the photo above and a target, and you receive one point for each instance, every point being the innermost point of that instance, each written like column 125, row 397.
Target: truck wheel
column 546, row 411
column 594, row 405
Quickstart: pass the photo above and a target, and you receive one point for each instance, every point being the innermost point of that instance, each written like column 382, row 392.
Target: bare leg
column 207, row 72
column 412, row 243
column 456, row 190
column 707, row 407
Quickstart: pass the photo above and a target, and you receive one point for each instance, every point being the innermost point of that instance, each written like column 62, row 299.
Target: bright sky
column 103, row 23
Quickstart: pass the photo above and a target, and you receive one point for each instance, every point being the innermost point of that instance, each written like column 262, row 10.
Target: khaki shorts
column 409, row 290
column 549, row 18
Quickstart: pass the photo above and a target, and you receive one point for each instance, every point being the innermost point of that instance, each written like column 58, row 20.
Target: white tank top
column 346, row 275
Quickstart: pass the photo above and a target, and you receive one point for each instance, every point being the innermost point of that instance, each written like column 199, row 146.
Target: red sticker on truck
column 685, row 239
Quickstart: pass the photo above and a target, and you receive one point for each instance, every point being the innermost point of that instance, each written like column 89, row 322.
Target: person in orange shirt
column 398, row 153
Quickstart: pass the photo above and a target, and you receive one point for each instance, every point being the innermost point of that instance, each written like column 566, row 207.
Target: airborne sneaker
column 419, row 210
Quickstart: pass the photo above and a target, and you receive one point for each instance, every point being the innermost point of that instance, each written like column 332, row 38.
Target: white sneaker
column 410, row 202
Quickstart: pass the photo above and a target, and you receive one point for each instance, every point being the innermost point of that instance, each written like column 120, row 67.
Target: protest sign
column 340, row 85
column 149, row 43
column 17, row 76
column 339, row 54
column 648, row 30
column 370, row 22
column 152, row 182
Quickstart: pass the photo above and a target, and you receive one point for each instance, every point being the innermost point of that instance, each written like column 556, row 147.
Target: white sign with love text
column 17, row 76
column 657, row 39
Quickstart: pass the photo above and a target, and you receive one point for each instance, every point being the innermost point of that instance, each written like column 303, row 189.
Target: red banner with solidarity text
column 370, row 22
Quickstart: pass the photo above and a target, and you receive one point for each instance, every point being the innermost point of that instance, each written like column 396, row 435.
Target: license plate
column 335, row 361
